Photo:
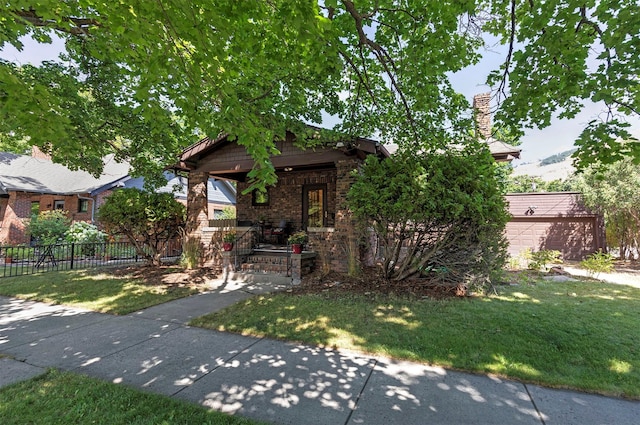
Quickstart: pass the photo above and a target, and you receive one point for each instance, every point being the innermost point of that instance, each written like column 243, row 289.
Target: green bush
column 49, row 227
column 598, row 262
column 19, row 253
column 148, row 220
column 540, row 260
column 433, row 212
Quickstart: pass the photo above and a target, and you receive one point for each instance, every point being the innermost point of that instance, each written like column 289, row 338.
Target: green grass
column 65, row 398
column 97, row 291
column 581, row 335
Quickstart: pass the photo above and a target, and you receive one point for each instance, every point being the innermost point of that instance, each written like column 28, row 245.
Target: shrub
column 83, row 232
column 227, row 213
column 435, row 212
column 49, row 227
column 540, row 260
column 598, row 262
column 86, row 234
column 148, row 220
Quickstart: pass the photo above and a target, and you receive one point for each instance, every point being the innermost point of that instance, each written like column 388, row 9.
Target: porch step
column 266, row 259
column 280, row 281
column 264, row 268
column 265, row 263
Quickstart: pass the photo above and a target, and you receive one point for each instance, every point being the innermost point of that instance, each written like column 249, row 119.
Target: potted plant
column 228, row 240
column 297, row 240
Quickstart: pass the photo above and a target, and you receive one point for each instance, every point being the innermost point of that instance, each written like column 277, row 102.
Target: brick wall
column 285, row 199
column 16, row 211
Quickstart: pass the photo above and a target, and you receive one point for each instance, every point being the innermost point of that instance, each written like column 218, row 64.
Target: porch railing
column 223, row 223
column 244, row 245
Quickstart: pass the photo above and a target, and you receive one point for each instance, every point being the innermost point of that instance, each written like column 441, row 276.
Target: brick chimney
column 482, row 111
column 37, row 153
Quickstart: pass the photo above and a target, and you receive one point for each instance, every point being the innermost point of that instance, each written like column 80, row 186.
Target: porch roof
column 223, row 158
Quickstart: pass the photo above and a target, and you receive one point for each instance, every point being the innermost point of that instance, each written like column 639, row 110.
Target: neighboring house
column 221, row 193
column 31, row 184
column 310, row 193
column 553, row 221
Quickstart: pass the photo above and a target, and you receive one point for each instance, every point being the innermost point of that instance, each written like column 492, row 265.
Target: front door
column 314, row 205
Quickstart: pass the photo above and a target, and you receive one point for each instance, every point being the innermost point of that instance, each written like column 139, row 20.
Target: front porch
column 310, row 195
column 254, row 254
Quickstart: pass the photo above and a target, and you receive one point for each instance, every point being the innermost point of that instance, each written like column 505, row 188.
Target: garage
column 553, row 221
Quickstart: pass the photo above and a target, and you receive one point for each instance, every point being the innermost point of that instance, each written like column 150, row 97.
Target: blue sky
column 536, row 144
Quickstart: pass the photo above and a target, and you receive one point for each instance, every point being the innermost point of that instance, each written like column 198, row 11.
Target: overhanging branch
column 80, row 26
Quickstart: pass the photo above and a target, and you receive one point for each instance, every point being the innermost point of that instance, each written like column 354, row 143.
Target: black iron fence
column 23, row 260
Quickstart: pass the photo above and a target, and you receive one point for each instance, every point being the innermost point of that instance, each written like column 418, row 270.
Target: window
column 260, row 198
column 314, row 205
column 58, row 205
column 83, row 205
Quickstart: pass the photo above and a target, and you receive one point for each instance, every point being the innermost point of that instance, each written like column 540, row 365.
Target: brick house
column 310, row 195
column 32, row 184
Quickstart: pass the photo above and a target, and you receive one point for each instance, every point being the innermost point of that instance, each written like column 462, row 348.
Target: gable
column 226, row 159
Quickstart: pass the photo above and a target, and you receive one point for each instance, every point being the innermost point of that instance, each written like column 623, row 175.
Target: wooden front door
column 314, row 205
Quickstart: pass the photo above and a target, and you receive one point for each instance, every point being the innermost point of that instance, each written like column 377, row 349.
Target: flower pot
column 227, row 246
column 297, row 248
column 8, row 260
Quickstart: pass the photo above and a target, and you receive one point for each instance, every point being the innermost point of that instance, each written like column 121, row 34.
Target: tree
column 252, row 70
column 613, row 190
column 526, row 184
column 437, row 214
column 148, row 220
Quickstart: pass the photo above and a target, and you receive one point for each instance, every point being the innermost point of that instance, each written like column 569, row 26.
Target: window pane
column 316, row 210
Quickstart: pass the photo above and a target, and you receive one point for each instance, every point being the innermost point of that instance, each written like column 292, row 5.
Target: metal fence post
column 73, row 254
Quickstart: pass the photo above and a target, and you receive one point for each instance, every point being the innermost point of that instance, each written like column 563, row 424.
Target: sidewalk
column 270, row 380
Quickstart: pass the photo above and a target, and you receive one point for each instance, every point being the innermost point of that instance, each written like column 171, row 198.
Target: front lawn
column 581, row 335
column 115, row 291
column 65, row 398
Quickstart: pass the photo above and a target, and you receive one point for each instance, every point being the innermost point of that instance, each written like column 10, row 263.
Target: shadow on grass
column 102, row 292
column 572, row 335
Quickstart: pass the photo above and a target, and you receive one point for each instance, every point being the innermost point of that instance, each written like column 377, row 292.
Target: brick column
column 197, row 203
column 198, row 214
column 345, row 246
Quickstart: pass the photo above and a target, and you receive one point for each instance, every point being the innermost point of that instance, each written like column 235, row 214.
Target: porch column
column 197, row 204
column 345, row 237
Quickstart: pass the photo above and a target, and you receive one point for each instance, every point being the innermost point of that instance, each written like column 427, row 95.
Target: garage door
column 573, row 237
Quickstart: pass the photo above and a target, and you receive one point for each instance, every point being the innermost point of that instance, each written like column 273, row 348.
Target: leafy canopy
column 145, row 79
column 613, row 190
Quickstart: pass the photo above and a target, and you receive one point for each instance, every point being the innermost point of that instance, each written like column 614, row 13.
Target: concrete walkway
column 274, row 381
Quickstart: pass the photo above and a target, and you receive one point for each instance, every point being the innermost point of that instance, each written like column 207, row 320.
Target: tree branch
column 512, row 35
column 383, row 58
column 81, row 27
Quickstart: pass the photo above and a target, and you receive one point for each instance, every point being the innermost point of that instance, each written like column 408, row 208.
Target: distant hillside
column 553, row 167
column 554, row 159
